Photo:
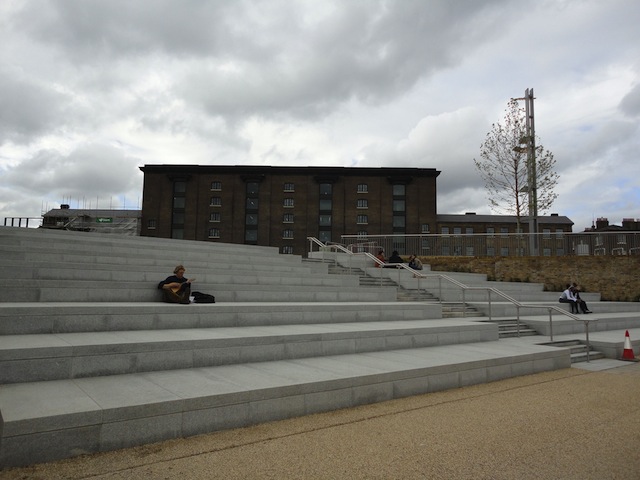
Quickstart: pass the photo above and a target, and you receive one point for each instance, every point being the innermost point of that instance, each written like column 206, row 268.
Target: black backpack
column 199, row 297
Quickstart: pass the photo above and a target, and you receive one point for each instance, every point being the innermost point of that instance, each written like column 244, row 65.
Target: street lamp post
column 531, row 172
column 529, row 142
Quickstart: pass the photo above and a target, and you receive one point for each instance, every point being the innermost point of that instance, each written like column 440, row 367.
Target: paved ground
column 577, row 423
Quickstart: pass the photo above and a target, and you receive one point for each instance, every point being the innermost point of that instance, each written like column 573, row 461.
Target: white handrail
column 418, row 274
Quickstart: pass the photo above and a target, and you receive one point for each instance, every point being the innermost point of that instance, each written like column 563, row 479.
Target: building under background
column 282, row 206
column 121, row 222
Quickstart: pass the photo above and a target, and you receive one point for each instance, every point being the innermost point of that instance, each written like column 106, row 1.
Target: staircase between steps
column 449, row 309
column 578, row 350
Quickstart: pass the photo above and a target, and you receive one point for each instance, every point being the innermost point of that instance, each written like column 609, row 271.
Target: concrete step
column 43, row 318
column 102, row 291
column 578, row 350
column 30, row 358
column 28, row 237
column 44, row 421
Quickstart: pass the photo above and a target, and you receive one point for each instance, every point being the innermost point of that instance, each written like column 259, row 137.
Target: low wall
column 617, row 278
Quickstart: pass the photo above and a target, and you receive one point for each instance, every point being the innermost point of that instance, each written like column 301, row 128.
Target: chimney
column 602, row 223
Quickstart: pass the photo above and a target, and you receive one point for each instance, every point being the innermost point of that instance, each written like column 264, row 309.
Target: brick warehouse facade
column 282, row 206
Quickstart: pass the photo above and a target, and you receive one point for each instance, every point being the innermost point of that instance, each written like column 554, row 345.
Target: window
column 491, row 231
column 214, row 217
column 324, row 220
column 398, row 206
column 324, row 236
column 151, row 224
column 504, row 231
column 362, row 233
column 445, row 230
column 179, row 186
column 252, row 203
column 325, row 205
column 287, row 234
column 469, row 231
column 289, row 187
column 214, row 233
column 546, row 233
column 469, row 251
column 546, row 252
column 287, row 249
column 559, row 233
column 326, row 189
column 251, row 219
column 178, row 209
column 287, row 218
column 178, row 218
column 363, row 203
column 216, row 186
column 251, row 236
column 424, row 228
column 288, row 202
column 252, row 189
column 215, row 202
column 362, row 219
column 504, row 251
column 457, row 230
column 363, row 188
column 399, row 190
column 399, row 221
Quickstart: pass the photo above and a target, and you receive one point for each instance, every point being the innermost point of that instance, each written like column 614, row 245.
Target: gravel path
column 567, row 424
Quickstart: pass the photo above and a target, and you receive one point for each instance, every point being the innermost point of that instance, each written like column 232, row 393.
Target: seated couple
column 572, row 296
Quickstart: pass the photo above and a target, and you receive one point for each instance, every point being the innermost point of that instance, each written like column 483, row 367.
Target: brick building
column 282, row 206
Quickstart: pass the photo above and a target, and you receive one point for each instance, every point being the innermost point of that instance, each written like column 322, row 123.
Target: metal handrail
column 418, row 274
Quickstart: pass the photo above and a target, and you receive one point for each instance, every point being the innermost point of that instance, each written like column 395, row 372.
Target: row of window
column 290, row 187
column 324, row 204
column 491, row 231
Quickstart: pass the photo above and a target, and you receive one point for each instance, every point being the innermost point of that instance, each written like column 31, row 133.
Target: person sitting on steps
column 568, row 297
column 176, row 288
column 395, row 258
column 575, row 289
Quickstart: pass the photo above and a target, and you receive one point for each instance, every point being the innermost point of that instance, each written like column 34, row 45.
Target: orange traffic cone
column 627, row 353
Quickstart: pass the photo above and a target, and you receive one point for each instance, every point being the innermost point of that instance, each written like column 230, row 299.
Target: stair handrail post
column 518, row 319
column 550, row 324
column 586, row 328
column 464, row 303
column 490, row 310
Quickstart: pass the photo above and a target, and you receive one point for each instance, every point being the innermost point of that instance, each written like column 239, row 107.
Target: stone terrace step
column 102, row 291
column 30, row 358
column 41, row 318
column 28, row 237
column 56, row 419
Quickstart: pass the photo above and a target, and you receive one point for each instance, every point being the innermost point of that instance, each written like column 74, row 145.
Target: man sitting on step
column 176, row 288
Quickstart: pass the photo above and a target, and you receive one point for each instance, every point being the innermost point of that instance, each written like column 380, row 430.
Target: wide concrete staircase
column 91, row 360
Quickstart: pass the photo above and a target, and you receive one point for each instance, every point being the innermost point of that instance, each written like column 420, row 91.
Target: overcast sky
column 90, row 90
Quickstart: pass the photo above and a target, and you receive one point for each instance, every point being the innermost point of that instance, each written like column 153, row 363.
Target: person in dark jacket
column 176, row 288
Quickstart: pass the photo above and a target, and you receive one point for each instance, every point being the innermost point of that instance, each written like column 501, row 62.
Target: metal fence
column 548, row 244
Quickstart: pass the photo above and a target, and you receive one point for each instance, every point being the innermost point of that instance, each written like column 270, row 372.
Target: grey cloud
column 88, row 170
column 27, row 107
column 370, row 52
column 630, row 103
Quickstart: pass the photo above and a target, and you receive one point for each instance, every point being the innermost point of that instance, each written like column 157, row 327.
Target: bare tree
column 503, row 166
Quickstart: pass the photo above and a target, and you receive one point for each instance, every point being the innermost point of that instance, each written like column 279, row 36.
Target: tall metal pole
column 532, row 179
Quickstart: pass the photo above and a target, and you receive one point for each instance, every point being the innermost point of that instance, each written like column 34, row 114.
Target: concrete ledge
column 30, row 358
column 122, row 411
